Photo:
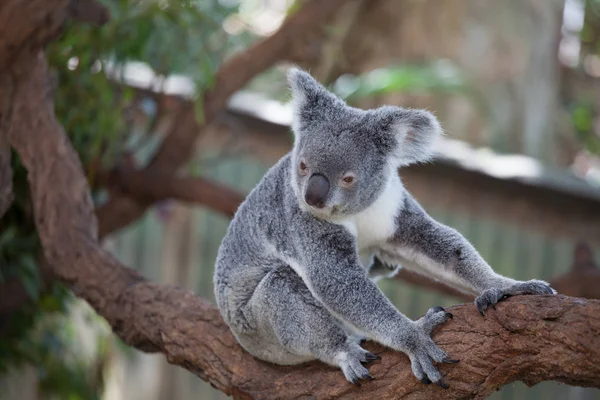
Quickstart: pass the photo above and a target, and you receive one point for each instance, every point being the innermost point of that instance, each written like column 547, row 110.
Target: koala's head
column 344, row 157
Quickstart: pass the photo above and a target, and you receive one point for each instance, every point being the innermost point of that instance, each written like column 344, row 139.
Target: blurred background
column 515, row 84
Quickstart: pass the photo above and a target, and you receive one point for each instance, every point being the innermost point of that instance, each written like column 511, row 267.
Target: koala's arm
column 328, row 263
column 437, row 250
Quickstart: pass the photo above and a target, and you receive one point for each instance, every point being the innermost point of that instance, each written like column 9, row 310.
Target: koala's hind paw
column 492, row 296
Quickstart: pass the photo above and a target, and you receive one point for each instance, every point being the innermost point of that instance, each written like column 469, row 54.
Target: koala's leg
column 438, row 251
column 298, row 328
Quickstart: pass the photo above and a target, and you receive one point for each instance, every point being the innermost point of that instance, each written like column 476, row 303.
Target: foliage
column 178, row 37
column 582, row 119
column 584, row 108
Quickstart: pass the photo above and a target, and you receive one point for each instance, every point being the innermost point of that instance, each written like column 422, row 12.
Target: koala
column 295, row 273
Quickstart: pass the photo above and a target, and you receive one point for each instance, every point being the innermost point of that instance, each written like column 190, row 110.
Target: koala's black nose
column 316, row 191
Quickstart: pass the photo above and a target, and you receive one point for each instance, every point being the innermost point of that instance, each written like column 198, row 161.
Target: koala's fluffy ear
column 310, row 100
column 415, row 133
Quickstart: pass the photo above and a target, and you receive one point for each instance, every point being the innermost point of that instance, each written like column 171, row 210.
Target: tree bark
column 26, row 25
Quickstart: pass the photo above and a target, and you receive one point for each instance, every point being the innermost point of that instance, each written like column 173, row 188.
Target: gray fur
column 292, row 281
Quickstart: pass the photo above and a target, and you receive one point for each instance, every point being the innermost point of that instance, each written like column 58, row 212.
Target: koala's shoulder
column 269, row 197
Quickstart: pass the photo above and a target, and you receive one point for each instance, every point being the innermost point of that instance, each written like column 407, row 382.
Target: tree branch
column 88, row 11
column 6, row 190
column 152, row 186
column 301, row 33
column 528, row 338
column 26, row 25
column 421, row 281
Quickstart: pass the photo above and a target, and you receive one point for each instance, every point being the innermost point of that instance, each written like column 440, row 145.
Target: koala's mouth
column 326, row 212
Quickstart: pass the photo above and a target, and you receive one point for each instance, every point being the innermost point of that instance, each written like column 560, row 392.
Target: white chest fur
column 377, row 223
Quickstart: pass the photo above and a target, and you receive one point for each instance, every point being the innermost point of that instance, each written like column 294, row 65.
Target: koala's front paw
column 492, row 296
column 381, row 270
column 423, row 352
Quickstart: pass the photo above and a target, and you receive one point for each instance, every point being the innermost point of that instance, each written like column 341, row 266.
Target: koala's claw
column 354, row 371
column 449, row 361
column 490, row 297
column 442, row 384
column 435, row 316
column 423, row 368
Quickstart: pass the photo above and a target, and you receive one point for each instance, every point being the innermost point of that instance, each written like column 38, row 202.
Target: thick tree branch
column 26, row 25
column 301, row 33
column 528, row 338
column 23, row 25
column 62, row 203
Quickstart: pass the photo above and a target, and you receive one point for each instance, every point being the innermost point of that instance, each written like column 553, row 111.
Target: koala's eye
column 303, row 167
column 348, row 180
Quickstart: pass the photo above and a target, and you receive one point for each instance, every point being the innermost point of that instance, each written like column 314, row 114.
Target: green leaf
column 199, row 110
column 31, row 287
column 7, row 236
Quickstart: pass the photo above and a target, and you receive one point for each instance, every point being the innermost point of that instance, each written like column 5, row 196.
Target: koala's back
column 247, row 253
